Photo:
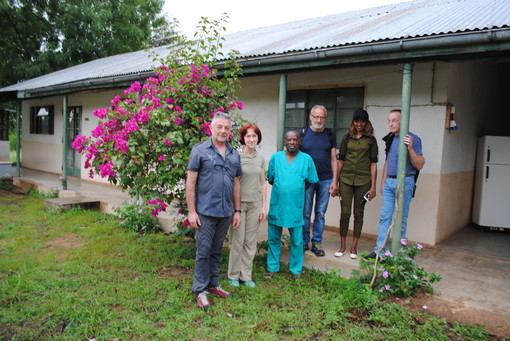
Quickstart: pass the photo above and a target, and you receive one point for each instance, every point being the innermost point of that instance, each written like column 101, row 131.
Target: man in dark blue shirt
column 415, row 162
column 213, row 196
column 320, row 143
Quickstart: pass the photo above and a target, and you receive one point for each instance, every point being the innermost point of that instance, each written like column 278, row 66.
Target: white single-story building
column 457, row 51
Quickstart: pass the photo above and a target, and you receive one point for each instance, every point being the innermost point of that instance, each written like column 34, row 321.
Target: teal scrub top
column 289, row 182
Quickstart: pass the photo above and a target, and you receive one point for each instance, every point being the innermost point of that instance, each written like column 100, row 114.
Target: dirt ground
column 495, row 324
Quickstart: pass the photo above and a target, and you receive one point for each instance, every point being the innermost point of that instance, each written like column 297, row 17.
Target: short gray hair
column 318, row 106
column 221, row 114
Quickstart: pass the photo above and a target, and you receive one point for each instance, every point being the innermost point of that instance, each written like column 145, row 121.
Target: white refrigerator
column 491, row 204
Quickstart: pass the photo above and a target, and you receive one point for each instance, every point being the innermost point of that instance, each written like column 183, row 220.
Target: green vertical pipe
column 281, row 110
column 407, row 79
column 18, row 138
column 64, row 144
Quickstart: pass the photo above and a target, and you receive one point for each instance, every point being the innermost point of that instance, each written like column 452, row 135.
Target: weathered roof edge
column 402, row 50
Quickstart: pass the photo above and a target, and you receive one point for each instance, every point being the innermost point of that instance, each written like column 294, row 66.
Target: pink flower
column 97, row 131
column 415, row 277
column 160, row 206
column 419, row 246
column 167, row 142
column 206, row 128
column 385, row 274
column 101, row 113
column 135, row 87
column 403, row 241
column 388, row 253
column 387, row 287
column 177, row 121
column 131, row 125
column 115, row 100
column 162, row 158
column 409, row 259
column 186, row 223
column 105, row 170
column 78, row 142
column 237, row 104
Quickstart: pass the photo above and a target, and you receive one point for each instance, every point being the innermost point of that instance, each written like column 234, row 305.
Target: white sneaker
column 203, row 300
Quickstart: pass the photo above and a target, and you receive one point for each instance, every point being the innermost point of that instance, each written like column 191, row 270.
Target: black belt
column 394, row 176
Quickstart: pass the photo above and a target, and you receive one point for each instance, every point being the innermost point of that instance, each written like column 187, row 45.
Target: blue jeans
column 321, row 192
column 388, row 205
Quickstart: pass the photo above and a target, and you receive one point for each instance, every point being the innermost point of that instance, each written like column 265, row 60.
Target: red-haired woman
column 243, row 240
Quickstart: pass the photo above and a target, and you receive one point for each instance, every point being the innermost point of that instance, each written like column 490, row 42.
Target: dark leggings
column 348, row 193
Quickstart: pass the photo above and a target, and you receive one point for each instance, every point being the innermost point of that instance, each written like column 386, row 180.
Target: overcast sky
column 245, row 15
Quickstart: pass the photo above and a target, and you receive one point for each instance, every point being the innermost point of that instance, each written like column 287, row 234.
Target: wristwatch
column 236, row 211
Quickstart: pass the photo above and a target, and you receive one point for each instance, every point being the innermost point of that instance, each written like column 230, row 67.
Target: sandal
column 339, row 254
column 270, row 274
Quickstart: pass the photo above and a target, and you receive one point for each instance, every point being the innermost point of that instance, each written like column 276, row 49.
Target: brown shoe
column 270, row 274
column 219, row 292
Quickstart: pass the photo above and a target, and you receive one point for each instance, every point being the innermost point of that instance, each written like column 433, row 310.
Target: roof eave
column 446, row 46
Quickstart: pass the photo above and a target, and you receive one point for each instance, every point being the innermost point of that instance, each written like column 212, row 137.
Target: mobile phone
column 365, row 197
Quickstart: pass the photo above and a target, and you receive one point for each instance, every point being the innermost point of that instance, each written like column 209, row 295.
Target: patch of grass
column 75, row 276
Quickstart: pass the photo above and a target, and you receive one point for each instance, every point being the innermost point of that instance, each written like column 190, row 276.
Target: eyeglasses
column 318, row 117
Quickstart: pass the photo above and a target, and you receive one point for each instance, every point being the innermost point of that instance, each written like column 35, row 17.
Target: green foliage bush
column 137, row 217
column 12, row 141
column 398, row 274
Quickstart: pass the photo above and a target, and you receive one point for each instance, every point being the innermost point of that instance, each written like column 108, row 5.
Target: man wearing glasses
column 320, row 143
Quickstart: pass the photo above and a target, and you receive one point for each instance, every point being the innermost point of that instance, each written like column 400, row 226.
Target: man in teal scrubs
column 290, row 171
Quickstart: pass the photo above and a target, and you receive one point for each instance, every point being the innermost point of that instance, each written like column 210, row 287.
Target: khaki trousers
column 243, row 242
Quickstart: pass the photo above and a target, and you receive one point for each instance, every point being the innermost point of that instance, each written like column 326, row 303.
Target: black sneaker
column 305, row 247
column 317, row 250
column 371, row 255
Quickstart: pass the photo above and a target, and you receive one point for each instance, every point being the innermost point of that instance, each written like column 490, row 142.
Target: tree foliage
column 143, row 141
column 42, row 36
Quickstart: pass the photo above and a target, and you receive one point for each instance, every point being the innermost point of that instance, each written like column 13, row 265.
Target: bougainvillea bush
column 143, row 140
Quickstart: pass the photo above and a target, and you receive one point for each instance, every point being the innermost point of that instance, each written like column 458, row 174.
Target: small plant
column 63, row 181
column 137, row 217
column 53, row 193
column 262, row 245
column 398, row 274
column 5, row 184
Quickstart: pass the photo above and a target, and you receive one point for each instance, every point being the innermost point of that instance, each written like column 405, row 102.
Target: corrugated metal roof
column 418, row 18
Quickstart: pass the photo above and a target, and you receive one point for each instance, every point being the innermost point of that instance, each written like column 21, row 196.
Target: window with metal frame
column 4, row 125
column 42, row 120
column 340, row 103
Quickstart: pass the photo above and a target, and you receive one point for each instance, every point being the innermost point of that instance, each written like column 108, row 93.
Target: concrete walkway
column 474, row 265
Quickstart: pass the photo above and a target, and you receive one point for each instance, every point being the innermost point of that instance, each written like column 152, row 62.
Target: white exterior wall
column 42, row 152
column 443, row 198
column 383, row 86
